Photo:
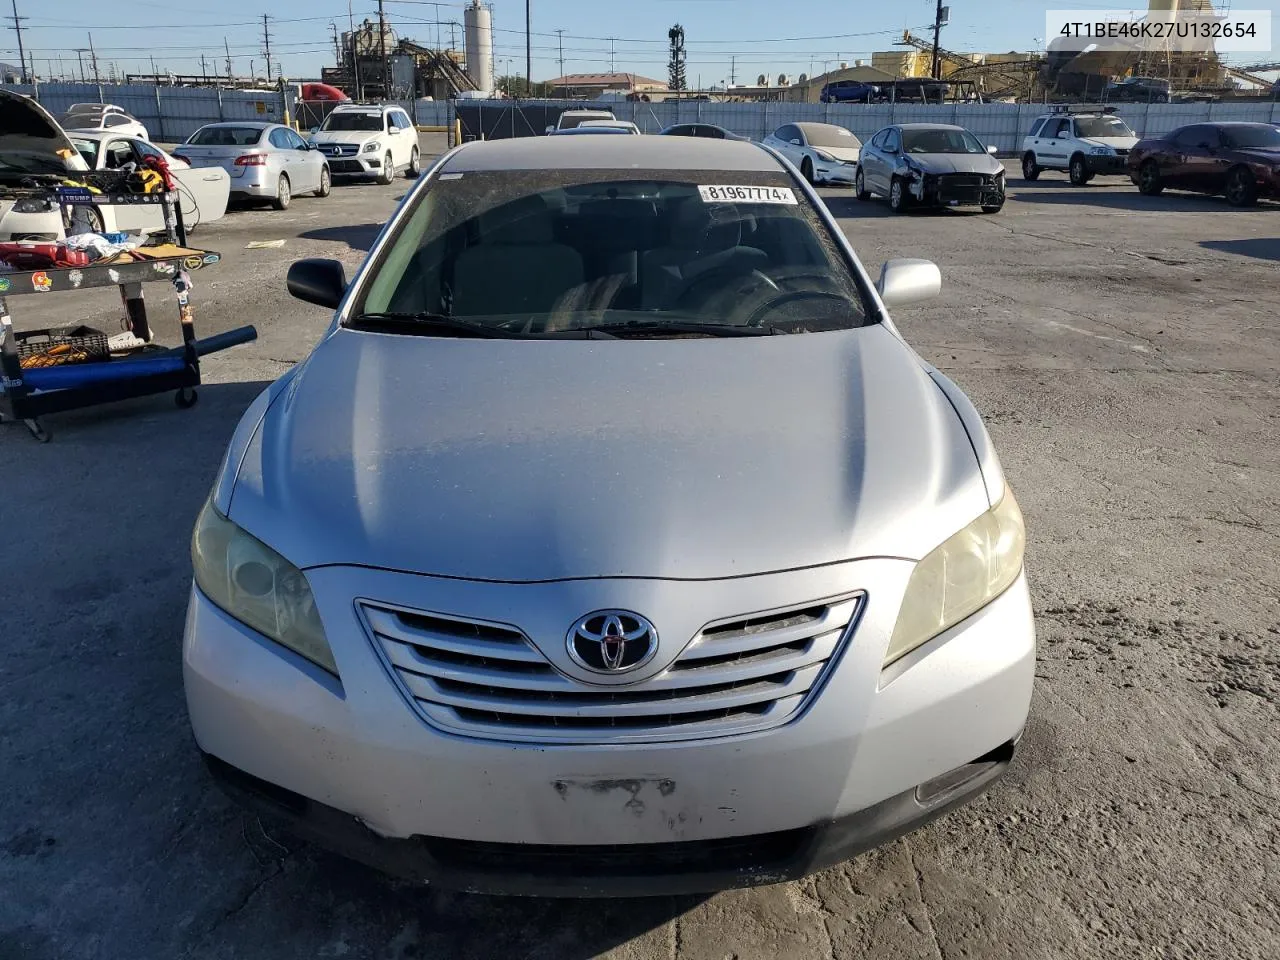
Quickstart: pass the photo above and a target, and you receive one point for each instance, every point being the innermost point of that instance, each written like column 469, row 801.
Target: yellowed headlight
column 961, row 577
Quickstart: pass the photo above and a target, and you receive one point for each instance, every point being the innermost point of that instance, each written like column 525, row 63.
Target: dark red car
column 1238, row 160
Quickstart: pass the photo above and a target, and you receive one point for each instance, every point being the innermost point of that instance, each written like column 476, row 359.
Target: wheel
column 326, row 183
column 91, row 215
column 1149, row 181
column 993, row 208
column 1079, row 171
column 284, row 194
column 898, row 199
column 415, row 166
column 388, row 170
column 1242, row 188
column 186, row 398
column 1030, row 169
column 38, row 431
column 860, row 187
column 806, row 171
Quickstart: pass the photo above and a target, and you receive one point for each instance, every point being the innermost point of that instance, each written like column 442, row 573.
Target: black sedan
column 708, row 130
column 1240, row 161
column 930, row 164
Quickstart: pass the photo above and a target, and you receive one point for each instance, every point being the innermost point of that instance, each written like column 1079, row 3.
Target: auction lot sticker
column 730, row 194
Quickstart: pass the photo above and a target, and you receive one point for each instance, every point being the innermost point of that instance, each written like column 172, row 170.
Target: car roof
column 365, row 107
column 610, row 153
column 256, row 124
column 588, row 131
column 928, row 126
column 809, row 125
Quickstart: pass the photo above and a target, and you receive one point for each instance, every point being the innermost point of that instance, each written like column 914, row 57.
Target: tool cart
column 69, row 368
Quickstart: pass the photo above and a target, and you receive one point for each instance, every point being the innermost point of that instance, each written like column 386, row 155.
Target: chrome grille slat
column 713, row 644
column 394, row 627
column 572, row 704
column 736, row 675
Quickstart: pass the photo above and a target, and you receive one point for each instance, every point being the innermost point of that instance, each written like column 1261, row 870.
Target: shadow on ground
column 358, row 237
column 1260, row 248
column 1064, row 194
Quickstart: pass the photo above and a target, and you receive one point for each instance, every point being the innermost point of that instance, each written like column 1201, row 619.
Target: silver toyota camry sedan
column 612, row 541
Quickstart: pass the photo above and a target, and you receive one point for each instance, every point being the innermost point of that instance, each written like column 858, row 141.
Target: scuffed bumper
column 362, row 773
column 846, row 173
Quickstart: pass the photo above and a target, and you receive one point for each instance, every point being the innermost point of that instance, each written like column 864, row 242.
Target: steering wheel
column 756, row 317
column 722, row 276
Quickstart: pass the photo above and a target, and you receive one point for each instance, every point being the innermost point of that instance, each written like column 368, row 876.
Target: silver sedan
column 267, row 161
column 611, row 540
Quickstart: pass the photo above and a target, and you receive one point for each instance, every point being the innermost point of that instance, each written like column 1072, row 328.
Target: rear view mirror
column 908, row 281
column 322, row 282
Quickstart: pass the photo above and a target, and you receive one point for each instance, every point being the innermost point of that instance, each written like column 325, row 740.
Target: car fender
column 979, row 437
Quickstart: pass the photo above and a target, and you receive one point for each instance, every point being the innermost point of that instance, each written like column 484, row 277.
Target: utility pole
column 613, row 65
column 93, row 59
column 382, row 40
column 204, row 72
column 337, row 45
column 733, row 70
column 528, row 45
column 154, row 74
column 80, row 57
column 560, row 34
column 936, row 72
column 17, row 28
column 453, row 36
column 266, row 42
column 227, row 47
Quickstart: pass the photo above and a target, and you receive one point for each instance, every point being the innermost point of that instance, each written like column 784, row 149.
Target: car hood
column 1116, row 143
column 850, row 154
column 518, row 460
column 345, row 136
column 30, row 130
column 958, row 163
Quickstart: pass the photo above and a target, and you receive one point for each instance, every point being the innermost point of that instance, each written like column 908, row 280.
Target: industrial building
column 589, row 86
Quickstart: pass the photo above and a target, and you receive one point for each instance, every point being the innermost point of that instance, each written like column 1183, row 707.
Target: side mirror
column 322, row 282
column 903, row 282
column 795, row 143
column 992, row 150
column 315, row 129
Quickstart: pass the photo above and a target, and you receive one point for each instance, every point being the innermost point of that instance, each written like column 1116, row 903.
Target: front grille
column 955, row 180
column 766, row 852
column 345, row 166
column 340, row 150
column 489, row 680
column 1121, row 152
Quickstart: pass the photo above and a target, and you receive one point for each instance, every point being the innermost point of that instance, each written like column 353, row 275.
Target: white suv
column 1084, row 144
column 366, row 140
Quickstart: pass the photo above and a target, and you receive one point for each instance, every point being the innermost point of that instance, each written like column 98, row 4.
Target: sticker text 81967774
column 732, row 194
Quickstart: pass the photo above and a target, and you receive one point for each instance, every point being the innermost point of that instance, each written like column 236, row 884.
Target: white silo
column 478, row 20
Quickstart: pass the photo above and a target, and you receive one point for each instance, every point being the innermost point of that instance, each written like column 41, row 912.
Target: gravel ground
column 1124, row 351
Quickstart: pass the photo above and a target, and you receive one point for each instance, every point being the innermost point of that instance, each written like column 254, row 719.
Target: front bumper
column 366, row 775
column 835, row 172
column 360, row 165
column 1107, row 166
column 967, row 190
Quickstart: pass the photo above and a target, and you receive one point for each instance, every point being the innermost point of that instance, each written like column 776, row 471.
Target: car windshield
column 940, row 141
column 352, row 121
column 226, row 137
column 1102, row 127
column 569, row 121
column 547, row 252
column 1252, row 138
column 87, row 149
column 823, row 135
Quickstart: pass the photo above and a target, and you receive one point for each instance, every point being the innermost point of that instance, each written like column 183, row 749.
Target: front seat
column 516, row 267
column 706, row 239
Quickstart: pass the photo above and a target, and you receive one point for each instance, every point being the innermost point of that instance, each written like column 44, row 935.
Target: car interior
column 553, row 255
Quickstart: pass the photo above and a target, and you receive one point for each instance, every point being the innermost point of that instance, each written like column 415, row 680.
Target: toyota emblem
column 612, row 641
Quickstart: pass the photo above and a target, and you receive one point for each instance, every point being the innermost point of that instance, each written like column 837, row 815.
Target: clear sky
column 748, row 37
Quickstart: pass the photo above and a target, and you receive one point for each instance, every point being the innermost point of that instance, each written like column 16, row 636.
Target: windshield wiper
column 432, row 324
column 427, row 324
column 645, row 327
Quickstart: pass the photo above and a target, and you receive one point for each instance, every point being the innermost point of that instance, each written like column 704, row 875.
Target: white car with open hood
column 33, row 144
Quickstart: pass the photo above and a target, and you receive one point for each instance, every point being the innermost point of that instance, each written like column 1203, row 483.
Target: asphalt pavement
column 1124, row 351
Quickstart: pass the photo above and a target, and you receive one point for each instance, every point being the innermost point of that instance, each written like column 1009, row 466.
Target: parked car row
column 1240, row 161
